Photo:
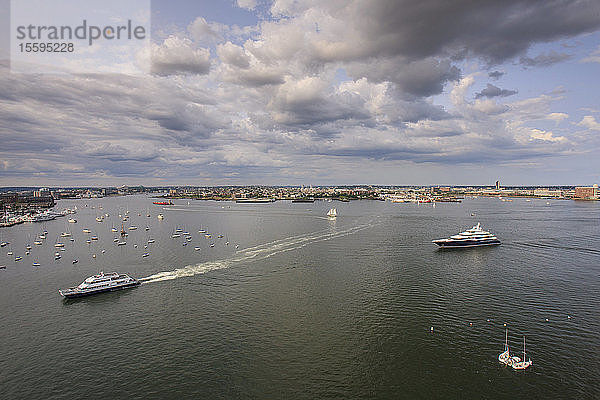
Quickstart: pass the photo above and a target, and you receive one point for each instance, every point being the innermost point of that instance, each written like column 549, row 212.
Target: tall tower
column 497, row 185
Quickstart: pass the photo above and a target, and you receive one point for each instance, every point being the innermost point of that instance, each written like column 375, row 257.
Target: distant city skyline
column 282, row 92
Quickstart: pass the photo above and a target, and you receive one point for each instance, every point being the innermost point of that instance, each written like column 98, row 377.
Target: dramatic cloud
column 494, row 91
column 310, row 92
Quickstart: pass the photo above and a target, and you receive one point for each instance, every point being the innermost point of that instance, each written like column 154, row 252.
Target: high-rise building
column 42, row 192
column 497, row 185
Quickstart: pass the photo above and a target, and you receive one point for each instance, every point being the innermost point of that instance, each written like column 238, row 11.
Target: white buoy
column 431, row 329
column 547, row 320
column 568, row 317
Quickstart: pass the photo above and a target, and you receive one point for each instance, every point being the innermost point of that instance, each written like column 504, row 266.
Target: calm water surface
column 305, row 307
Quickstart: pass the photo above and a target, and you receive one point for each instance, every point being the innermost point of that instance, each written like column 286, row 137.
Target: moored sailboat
column 504, row 357
column 522, row 364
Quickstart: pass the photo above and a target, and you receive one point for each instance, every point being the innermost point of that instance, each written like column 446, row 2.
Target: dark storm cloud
column 495, row 30
column 422, row 78
column 544, row 60
column 494, row 91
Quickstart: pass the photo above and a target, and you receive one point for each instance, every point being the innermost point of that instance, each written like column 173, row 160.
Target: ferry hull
column 75, row 294
column 446, row 244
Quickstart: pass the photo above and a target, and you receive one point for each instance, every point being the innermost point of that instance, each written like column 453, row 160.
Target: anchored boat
column 473, row 237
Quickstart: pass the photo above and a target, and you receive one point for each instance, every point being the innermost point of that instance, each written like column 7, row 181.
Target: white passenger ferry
column 100, row 283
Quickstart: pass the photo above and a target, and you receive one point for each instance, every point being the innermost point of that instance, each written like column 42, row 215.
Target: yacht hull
column 451, row 244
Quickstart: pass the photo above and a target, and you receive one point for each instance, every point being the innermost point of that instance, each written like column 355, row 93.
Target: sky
column 317, row 92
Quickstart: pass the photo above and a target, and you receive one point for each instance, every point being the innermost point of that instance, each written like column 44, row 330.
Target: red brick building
column 586, row 192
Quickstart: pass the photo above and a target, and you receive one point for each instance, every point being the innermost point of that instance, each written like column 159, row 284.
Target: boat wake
column 259, row 252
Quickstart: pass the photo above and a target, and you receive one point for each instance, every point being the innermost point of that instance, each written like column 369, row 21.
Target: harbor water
column 289, row 304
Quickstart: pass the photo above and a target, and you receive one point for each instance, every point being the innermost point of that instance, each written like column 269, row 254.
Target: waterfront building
column 586, row 192
column 545, row 192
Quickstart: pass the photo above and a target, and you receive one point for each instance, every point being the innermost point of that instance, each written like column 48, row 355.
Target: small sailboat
column 522, row 364
column 504, row 357
column 332, row 213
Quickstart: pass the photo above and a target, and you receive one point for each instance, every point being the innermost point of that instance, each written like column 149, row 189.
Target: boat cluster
column 122, row 235
column 9, row 219
column 513, row 361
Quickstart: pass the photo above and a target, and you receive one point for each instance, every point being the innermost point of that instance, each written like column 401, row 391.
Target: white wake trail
column 259, row 252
